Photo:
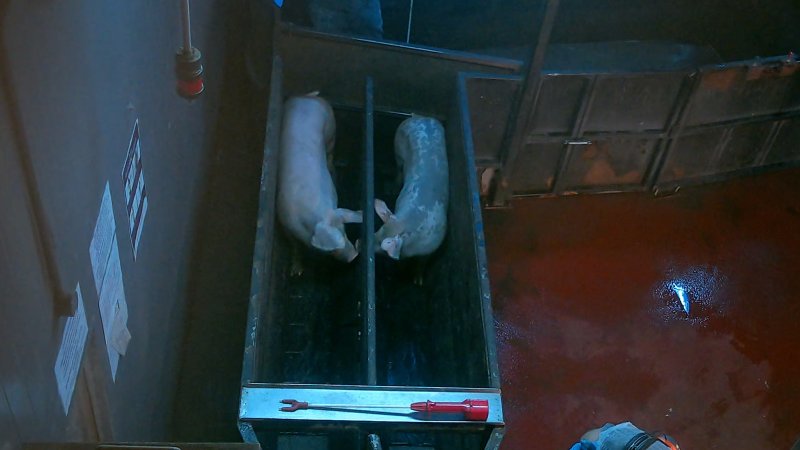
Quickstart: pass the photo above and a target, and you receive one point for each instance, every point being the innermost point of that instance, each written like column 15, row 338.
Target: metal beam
column 265, row 231
column 524, row 106
column 369, row 358
column 577, row 134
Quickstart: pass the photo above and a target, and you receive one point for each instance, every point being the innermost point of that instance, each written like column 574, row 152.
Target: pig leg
column 349, row 216
column 487, row 176
column 383, row 210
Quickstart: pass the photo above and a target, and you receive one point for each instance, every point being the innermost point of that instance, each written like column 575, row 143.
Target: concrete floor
column 591, row 330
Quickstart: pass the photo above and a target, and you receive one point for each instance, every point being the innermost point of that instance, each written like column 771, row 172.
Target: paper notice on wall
column 70, row 353
column 104, row 253
column 113, row 308
column 104, row 236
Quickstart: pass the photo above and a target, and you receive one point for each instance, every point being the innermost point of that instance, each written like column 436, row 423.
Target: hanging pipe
column 410, row 17
column 187, row 25
column 188, row 64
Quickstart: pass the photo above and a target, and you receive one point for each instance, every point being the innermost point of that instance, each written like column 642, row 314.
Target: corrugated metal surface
column 623, row 130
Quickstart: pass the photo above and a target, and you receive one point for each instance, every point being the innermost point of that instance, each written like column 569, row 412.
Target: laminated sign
column 107, row 271
column 70, row 352
column 135, row 189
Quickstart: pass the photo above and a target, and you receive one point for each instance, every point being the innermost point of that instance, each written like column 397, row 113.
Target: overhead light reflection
column 680, row 291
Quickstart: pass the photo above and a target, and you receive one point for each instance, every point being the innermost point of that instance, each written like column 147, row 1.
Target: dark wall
column 207, row 399
column 77, row 74
column 738, row 29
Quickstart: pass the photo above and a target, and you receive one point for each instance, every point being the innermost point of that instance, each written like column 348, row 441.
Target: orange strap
column 665, row 440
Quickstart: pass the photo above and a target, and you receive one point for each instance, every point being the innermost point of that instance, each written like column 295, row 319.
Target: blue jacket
column 614, row 437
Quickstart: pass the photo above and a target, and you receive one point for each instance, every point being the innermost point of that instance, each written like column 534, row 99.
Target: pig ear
column 327, row 238
column 348, row 216
column 383, row 210
column 392, row 246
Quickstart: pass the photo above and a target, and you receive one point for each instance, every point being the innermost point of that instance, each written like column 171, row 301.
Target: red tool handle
column 476, row 410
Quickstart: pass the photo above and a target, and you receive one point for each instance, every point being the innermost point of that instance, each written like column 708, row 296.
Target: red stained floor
column 591, row 330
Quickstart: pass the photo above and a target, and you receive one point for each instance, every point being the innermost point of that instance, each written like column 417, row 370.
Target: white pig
column 306, row 194
column 418, row 225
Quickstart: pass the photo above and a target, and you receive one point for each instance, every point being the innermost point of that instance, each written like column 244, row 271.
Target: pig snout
column 329, row 236
column 392, row 246
column 344, row 250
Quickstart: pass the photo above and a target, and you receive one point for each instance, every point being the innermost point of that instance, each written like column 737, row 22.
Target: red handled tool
column 471, row 409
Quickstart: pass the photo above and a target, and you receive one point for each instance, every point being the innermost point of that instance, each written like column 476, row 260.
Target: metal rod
column 369, row 357
column 187, row 26
column 344, row 405
column 524, row 105
column 264, row 235
column 675, row 130
column 769, row 141
column 468, row 152
column 410, row 15
column 285, row 31
column 577, row 132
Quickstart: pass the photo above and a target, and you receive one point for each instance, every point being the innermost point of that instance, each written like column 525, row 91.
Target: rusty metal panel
column 635, row 103
column 741, row 146
column 613, row 163
column 691, row 155
column 792, row 101
column 787, row 143
column 489, row 106
column 715, row 151
column 742, row 91
column 535, row 169
column 559, row 101
column 649, row 129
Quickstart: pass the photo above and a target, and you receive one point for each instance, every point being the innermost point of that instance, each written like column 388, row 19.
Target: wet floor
column 590, row 297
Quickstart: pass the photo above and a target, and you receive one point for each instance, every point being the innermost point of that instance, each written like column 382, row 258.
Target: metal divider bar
column 265, row 232
column 368, row 242
column 769, row 142
column 674, row 128
column 577, row 132
column 524, row 105
column 462, row 120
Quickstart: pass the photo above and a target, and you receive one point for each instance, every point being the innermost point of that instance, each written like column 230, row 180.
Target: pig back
column 306, row 193
column 422, row 204
column 420, row 150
